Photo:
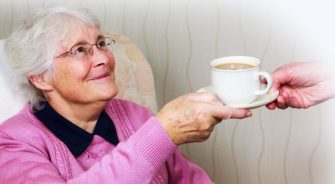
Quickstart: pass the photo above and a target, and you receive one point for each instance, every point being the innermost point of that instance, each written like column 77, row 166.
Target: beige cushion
column 133, row 77
column 133, row 73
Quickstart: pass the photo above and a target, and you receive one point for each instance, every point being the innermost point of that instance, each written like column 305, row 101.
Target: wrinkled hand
column 192, row 117
column 302, row 85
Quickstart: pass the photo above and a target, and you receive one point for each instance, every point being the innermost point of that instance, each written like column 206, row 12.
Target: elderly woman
column 74, row 131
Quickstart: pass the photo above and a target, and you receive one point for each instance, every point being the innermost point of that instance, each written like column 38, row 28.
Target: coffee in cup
column 236, row 79
column 234, row 66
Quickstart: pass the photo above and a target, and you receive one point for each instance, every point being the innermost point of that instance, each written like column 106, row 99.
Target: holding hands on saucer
column 192, row 117
column 302, row 85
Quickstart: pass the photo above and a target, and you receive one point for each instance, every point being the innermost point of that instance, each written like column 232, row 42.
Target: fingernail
column 249, row 114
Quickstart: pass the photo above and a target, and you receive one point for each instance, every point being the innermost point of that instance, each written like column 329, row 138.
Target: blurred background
column 180, row 37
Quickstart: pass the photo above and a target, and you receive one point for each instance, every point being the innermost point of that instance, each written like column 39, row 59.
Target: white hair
column 32, row 46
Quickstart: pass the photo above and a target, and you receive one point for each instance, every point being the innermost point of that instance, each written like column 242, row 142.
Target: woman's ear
column 41, row 82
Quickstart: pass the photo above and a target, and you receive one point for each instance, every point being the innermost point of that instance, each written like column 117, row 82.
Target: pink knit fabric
column 30, row 153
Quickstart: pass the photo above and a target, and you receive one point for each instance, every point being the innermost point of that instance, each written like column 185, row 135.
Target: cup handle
column 268, row 78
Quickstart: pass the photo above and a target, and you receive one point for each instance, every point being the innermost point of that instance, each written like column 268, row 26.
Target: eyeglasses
column 81, row 50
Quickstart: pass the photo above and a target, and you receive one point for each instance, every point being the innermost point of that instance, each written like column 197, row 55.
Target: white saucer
column 258, row 102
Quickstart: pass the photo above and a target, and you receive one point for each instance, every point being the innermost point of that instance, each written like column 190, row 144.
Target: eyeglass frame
column 90, row 49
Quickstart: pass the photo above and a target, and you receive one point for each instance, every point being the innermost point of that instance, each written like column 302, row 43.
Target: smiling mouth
column 104, row 75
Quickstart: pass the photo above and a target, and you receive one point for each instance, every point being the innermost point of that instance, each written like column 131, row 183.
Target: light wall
column 181, row 37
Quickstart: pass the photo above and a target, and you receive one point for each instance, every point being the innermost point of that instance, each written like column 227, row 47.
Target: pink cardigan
column 30, row 153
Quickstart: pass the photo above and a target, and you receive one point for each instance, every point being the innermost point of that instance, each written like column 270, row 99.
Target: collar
column 75, row 138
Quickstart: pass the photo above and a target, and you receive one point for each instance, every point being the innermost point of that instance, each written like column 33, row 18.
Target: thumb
column 279, row 77
column 240, row 113
column 225, row 112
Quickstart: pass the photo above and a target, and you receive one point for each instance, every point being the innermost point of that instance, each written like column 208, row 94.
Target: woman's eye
column 101, row 43
column 80, row 50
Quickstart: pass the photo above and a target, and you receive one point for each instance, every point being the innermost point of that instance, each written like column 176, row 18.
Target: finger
column 285, row 91
column 209, row 124
column 281, row 103
column 219, row 111
column 274, row 88
column 296, row 101
column 271, row 106
column 279, row 77
column 240, row 113
column 282, row 106
column 202, row 130
column 264, row 81
column 224, row 112
column 291, row 97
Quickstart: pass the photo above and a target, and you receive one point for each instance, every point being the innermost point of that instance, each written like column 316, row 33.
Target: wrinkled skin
column 192, row 117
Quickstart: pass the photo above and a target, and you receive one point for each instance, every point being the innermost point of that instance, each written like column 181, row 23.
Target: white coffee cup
column 236, row 87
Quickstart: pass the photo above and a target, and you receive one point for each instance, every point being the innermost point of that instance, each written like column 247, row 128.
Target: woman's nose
column 98, row 56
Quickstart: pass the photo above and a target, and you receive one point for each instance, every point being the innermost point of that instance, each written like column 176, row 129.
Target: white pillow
column 10, row 102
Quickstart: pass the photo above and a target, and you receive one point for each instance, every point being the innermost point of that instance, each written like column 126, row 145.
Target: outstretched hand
column 302, row 85
column 192, row 117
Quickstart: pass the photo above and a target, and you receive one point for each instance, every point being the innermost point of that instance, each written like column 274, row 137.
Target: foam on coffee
column 234, row 66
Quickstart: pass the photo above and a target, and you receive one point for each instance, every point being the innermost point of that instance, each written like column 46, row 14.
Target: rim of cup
column 235, row 59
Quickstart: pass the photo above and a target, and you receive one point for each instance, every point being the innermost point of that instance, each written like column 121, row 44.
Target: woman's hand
column 302, row 85
column 192, row 117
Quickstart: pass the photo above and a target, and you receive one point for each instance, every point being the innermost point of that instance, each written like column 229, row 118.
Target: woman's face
column 86, row 79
